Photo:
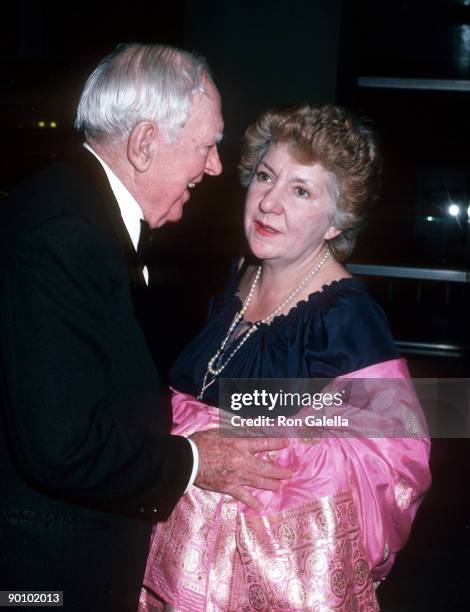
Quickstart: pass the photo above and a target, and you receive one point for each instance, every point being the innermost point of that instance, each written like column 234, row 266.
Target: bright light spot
column 41, row 124
column 53, row 124
column 429, row 218
column 468, row 211
column 454, row 210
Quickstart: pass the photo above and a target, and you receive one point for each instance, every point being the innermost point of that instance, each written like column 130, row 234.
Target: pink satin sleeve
column 332, row 530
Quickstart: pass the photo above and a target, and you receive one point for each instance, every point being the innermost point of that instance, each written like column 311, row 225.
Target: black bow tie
column 144, row 247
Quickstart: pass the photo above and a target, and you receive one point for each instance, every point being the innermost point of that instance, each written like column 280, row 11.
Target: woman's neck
column 281, row 278
column 279, row 281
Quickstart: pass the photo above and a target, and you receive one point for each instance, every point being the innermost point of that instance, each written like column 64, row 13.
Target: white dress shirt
column 132, row 214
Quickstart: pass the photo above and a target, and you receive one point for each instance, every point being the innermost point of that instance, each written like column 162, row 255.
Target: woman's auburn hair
column 345, row 145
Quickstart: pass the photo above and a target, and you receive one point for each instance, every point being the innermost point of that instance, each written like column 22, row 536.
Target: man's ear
column 331, row 232
column 141, row 144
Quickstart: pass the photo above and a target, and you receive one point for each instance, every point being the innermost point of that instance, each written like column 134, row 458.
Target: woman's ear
column 331, row 232
column 140, row 145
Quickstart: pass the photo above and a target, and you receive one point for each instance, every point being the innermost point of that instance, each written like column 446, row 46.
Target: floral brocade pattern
column 309, row 557
column 305, row 558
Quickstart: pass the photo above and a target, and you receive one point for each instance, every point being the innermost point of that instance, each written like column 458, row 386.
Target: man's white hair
column 138, row 83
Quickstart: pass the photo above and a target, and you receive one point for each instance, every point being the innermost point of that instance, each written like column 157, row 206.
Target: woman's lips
column 265, row 230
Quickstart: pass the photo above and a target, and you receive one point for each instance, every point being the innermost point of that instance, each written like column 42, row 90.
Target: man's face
column 179, row 166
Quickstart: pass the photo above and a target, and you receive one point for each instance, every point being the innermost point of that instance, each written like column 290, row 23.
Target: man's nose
column 213, row 163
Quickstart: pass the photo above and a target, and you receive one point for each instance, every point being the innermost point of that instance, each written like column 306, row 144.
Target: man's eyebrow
column 212, row 142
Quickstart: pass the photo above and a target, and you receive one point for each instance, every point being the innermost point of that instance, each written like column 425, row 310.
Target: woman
column 334, row 529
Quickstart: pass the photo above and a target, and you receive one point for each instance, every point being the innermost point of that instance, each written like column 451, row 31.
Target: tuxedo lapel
column 102, row 209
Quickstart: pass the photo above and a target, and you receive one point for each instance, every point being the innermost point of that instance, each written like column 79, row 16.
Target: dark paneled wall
column 266, row 53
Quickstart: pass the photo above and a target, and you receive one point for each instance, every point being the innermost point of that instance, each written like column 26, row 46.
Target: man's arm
column 228, row 465
column 56, row 343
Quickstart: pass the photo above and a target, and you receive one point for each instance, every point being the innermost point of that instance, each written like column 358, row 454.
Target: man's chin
column 175, row 214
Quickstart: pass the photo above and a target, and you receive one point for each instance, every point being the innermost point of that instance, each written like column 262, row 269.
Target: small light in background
column 454, row 210
column 41, row 124
column 53, row 124
column 429, row 218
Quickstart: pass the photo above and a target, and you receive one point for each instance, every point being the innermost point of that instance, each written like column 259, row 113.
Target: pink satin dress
column 325, row 540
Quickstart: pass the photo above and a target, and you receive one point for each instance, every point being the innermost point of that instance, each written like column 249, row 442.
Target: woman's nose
column 271, row 202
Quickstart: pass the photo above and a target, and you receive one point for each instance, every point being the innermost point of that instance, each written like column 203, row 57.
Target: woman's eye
column 262, row 176
column 302, row 193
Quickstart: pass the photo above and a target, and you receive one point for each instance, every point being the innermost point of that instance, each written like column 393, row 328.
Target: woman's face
column 288, row 208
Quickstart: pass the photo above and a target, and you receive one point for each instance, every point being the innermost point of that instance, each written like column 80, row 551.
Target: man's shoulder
column 72, row 185
column 63, row 246
column 72, row 188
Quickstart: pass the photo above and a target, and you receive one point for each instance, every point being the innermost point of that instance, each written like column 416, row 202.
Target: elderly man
column 86, row 459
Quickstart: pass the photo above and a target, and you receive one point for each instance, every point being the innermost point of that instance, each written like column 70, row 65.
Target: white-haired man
column 87, row 463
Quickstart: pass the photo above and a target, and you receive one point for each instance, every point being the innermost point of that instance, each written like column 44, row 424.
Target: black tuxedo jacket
column 86, row 459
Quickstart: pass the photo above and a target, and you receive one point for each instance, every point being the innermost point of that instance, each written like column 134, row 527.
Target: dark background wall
column 266, row 54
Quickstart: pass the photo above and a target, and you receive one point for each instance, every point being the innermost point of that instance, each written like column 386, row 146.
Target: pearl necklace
column 214, row 371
